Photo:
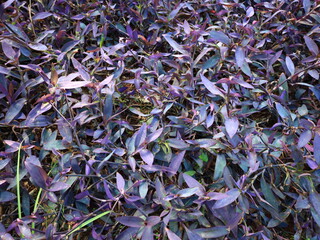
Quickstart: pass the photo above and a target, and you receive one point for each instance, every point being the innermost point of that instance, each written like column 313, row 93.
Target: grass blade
column 88, row 222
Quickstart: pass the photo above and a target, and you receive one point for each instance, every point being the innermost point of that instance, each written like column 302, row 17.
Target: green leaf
column 220, row 165
column 268, row 194
column 211, row 62
column 190, row 173
column 88, row 222
column 204, row 157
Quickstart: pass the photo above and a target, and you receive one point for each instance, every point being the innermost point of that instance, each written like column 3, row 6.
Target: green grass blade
column 88, row 222
column 35, row 208
column 18, row 182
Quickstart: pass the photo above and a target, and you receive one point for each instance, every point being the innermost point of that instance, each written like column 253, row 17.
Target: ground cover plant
column 156, row 119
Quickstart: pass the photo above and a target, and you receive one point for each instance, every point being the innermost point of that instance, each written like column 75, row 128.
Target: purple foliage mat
column 185, row 119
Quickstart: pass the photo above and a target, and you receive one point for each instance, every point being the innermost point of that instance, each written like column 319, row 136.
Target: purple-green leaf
column 213, row 232
column 14, row 109
column 220, row 36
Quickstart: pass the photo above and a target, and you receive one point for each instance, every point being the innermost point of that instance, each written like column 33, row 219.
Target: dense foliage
column 159, row 119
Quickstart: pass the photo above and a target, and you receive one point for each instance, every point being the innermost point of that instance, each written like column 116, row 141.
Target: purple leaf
column 243, row 83
column 69, row 77
column 175, row 45
column 172, row 235
column 154, row 136
column 216, row 195
column 188, row 192
column 314, row 74
column 231, row 196
column 253, row 162
column 192, row 235
column 203, row 143
column 209, row 120
column 220, row 36
column 176, row 161
column 131, row 221
column 304, row 138
column 129, row 233
column 72, row 85
column 290, row 65
column 186, row 27
column 174, row 12
column 210, row 86
column 69, row 45
column 14, row 146
column 36, row 111
column 240, row 56
column 153, row 220
column 7, row 3
column 65, row 130
column 147, row 156
column 306, row 5
column 8, row 50
column 18, row 31
column 78, row 17
column 14, row 110
column 58, row 186
column 141, row 135
column 312, row 164
column 312, row 46
column 6, row 196
column 38, row 47
column 132, row 163
column 157, row 168
column 274, row 58
column 316, row 144
column 38, row 175
column 250, row 12
column 232, row 125
column 81, row 69
column 4, row 163
column 177, row 143
column 120, row 183
column 192, row 183
column 41, row 15
column 7, row 236
column 314, row 199
column 137, row 112
column 25, row 231
column 147, row 234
